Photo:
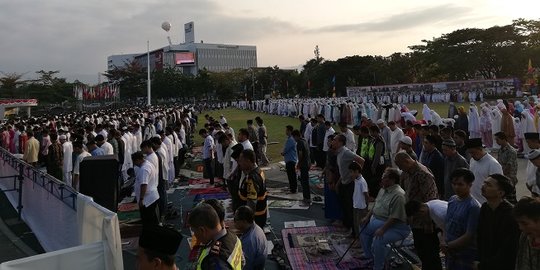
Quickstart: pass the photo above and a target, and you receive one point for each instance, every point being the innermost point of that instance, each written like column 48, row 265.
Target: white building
column 119, row 60
column 190, row 57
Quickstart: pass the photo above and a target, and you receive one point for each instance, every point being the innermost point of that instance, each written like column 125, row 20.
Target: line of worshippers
column 60, row 142
column 428, row 157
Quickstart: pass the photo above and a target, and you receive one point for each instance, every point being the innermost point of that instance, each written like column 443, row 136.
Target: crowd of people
column 440, row 182
column 385, row 176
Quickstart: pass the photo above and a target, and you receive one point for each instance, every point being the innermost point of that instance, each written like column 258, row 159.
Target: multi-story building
column 119, row 60
column 190, row 57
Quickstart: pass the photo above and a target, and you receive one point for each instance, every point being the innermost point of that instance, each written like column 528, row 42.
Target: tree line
column 464, row 54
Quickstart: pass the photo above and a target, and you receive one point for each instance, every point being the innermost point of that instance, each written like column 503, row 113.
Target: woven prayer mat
column 317, row 248
column 287, row 204
column 283, row 193
column 128, row 207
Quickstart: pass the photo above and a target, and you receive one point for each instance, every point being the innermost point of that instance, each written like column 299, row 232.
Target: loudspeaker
column 99, row 180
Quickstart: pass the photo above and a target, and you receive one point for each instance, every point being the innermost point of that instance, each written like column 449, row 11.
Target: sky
column 75, row 37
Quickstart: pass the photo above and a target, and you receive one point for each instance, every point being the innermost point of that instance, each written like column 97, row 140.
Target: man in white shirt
column 146, row 182
column 228, row 130
column 128, row 163
column 533, row 142
column 170, row 155
column 395, row 137
column 229, row 164
column 434, row 209
column 67, row 162
column 222, row 119
column 243, row 138
column 482, row 165
column 329, row 131
column 78, row 149
column 106, row 146
column 349, row 135
column 208, row 155
column 161, row 151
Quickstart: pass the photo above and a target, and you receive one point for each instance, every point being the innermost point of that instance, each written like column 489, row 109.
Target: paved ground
column 10, row 251
column 16, row 238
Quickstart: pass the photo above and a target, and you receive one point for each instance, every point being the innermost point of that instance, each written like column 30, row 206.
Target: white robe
column 496, row 116
column 426, row 113
column 67, row 166
column 474, row 122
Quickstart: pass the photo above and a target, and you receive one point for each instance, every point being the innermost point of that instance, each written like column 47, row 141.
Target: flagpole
column 148, row 72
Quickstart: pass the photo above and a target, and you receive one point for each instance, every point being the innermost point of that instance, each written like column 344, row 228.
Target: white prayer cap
column 534, row 154
column 379, row 122
column 406, row 140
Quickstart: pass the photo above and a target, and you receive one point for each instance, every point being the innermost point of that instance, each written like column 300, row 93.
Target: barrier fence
column 63, row 220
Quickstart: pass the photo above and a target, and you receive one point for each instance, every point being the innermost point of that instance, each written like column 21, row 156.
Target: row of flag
column 99, row 92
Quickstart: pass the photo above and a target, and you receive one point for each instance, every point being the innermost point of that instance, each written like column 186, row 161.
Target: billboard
column 189, row 32
column 184, row 58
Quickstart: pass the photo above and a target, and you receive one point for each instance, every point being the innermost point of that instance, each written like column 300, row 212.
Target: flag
column 334, row 81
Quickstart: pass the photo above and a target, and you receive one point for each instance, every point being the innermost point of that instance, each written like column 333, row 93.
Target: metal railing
column 55, row 187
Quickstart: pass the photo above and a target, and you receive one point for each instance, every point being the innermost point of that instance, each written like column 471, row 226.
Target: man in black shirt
column 498, row 231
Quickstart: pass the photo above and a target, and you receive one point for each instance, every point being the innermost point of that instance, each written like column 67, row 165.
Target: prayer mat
column 286, row 204
column 128, row 207
column 218, row 196
column 282, row 193
column 200, row 181
column 315, row 182
column 190, row 173
column 131, row 215
column 320, row 248
column 208, row 190
column 196, row 149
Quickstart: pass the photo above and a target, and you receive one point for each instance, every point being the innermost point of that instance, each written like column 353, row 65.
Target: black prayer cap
column 532, row 136
column 160, row 239
column 473, row 143
column 450, row 143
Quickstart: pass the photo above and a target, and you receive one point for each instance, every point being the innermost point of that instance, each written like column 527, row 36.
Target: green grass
column 275, row 125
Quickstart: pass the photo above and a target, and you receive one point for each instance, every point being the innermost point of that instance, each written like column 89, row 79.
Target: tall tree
column 131, row 78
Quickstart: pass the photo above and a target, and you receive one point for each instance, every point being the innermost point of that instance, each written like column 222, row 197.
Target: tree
column 9, row 82
column 131, row 78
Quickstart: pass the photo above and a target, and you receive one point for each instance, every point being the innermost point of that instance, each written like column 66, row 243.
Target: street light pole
column 148, row 90
column 252, row 84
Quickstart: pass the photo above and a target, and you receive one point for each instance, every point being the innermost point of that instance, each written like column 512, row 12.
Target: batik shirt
column 419, row 185
column 508, row 159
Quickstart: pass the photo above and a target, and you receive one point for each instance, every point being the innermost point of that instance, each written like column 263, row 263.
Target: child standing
column 360, row 197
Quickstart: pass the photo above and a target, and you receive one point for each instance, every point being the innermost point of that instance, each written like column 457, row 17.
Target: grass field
column 276, row 124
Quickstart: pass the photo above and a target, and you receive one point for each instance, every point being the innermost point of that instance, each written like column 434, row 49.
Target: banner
column 104, row 92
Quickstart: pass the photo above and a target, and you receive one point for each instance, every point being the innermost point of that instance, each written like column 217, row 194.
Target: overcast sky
column 76, row 37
